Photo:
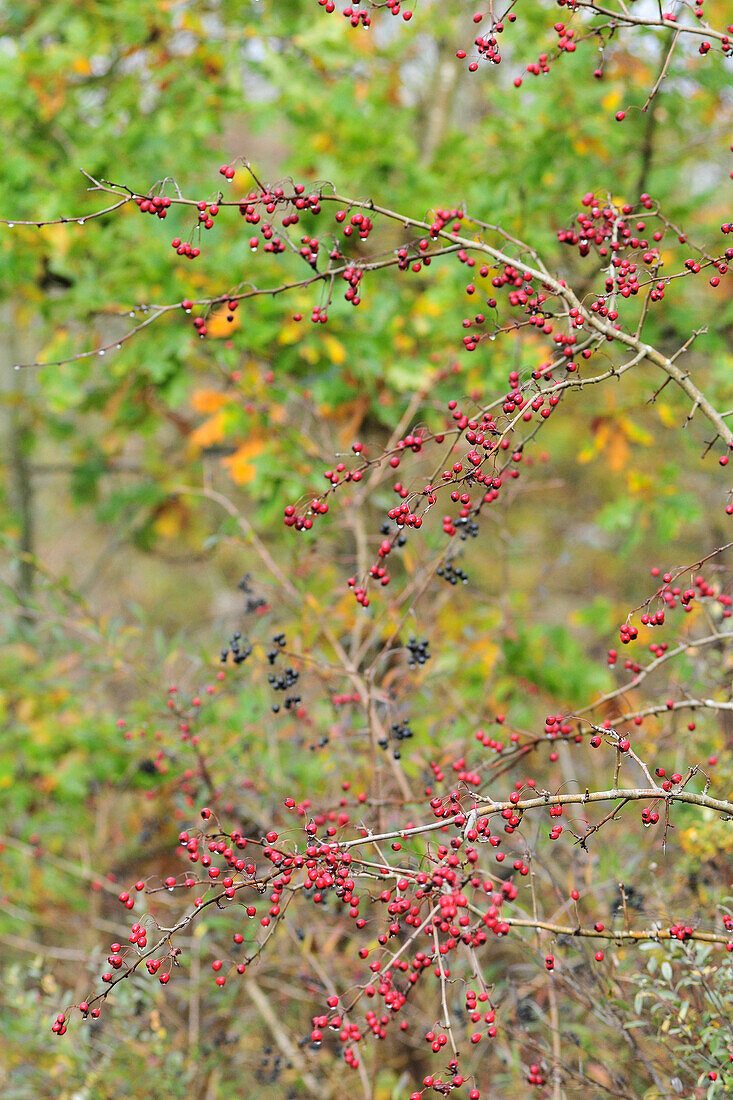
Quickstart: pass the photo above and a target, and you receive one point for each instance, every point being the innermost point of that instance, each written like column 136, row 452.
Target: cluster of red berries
column 207, row 211
column 607, row 228
column 157, row 205
column 521, row 294
column 408, row 261
column 481, row 436
column 681, row 932
column 345, row 699
column 556, row 726
column 358, row 223
column 487, row 44
column 273, row 197
column 668, row 782
column 361, row 16
column 353, row 276
column 565, row 44
column 649, row 817
column 534, row 1076
column 304, row 523
column 206, row 214
column 489, row 742
column 326, row 871
column 672, row 596
column 185, row 248
column 721, row 266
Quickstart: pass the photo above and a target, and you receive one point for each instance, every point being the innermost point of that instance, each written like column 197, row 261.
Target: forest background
column 143, row 494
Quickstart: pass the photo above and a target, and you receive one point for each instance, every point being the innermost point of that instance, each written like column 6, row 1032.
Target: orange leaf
column 211, row 431
column 617, row 452
column 218, row 326
column 207, row 401
column 240, row 465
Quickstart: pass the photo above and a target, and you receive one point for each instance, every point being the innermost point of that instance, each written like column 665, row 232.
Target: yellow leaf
column 634, row 433
column 240, row 465
column 171, row 518
column 402, row 342
column 25, row 709
column 611, row 100
column 667, row 415
column 322, row 142
column 48, row 984
column 426, row 307
column 336, row 350
column 55, row 346
column 59, row 237
column 208, row 401
column 81, row 66
column 485, row 653
column 211, row 431
column 290, row 333
column 640, row 484
column 602, row 438
column 313, row 603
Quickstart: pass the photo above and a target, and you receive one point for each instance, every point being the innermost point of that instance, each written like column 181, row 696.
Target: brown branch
column 633, row 794
column 624, row 18
column 446, row 1021
column 634, row 934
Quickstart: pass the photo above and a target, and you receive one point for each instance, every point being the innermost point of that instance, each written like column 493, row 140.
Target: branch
column 633, row 794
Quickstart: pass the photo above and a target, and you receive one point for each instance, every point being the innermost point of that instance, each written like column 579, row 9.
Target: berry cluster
column 399, row 732
column 360, row 16
column 443, row 905
column 419, row 652
column 238, row 651
column 452, row 574
column 157, row 205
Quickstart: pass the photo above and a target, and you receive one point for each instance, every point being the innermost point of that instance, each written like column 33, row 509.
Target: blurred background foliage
column 139, row 488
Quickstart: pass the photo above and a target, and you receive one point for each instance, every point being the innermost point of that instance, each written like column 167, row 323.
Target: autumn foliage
column 369, row 681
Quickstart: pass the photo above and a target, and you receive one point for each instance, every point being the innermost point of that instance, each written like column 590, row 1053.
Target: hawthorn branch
column 453, row 242
column 666, row 708
column 446, row 1023
column 70, row 219
column 663, row 70
column 693, row 643
column 637, row 935
column 632, row 794
column 624, row 18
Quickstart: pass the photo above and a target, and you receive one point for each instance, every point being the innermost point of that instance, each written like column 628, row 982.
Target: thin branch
column 446, row 1021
